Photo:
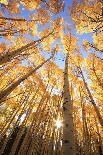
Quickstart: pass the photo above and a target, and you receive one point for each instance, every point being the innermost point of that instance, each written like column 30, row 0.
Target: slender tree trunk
column 68, row 129
column 7, row 91
column 85, row 132
column 92, row 101
column 98, row 79
column 17, row 19
column 6, row 57
column 96, row 48
column 100, row 141
column 85, row 127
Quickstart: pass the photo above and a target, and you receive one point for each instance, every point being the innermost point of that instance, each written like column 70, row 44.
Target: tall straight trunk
column 68, row 128
column 6, row 57
column 6, row 92
column 92, row 101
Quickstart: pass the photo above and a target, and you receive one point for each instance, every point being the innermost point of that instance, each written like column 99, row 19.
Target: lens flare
column 58, row 123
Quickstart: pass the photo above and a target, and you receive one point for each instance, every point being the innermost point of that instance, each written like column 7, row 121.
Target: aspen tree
column 68, row 129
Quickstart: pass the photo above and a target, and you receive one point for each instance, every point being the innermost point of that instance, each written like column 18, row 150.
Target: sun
column 58, row 123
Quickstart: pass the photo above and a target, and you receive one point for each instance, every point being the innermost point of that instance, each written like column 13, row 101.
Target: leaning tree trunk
column 6, row 92
column 68, row 129
column 98, row 79
column 92, row 100
column 6, row 57
column 96, row 48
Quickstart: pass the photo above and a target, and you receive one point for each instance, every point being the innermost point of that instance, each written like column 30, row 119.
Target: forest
column 51, row 77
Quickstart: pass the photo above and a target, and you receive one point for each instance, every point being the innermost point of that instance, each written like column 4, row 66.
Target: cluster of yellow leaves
column 86, row 45
column 42, row 16
column 31, row 5
column 19, row 42
column 97, row 6
column 54, row 74
column 9, row 37
column 45, row 32
column 69, row 43
column 2, row 47
column 14, row 7
column 47, row 42
column 34, row 30
column 56, row 6
column 79, row 60
column 21, row 26
column 84, row 17
column 4, row 2
column 57, row 48
column 57, row 26
column 98, row 40
column 46, row 45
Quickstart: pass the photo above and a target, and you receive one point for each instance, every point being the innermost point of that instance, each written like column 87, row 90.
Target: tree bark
column 68, row 128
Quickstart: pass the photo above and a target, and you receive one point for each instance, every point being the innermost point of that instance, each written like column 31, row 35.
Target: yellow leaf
column 2, row 47
column 57, row 48
column 86, row 45
column 4, row 2
column 34, row 30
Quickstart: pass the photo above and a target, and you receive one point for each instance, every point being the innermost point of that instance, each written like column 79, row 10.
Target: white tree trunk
column 68, row 129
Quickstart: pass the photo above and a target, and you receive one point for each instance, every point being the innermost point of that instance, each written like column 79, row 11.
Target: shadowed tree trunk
column 99, row 141
column 15, row 144
column 26, row 141
column 68, row 133
column 92, row 100
column 86, row 140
